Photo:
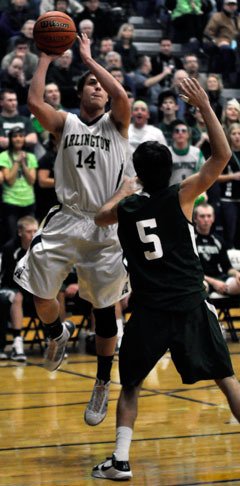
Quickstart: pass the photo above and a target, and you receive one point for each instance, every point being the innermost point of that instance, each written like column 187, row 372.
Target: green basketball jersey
column 159, row 245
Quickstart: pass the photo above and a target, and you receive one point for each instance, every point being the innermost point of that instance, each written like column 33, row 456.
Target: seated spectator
column 147, row 86
column 230, row 114
column 183, row 107
column 21, row 49
column 124, row 46
column 10, row 118
column 125, row 80
column 45, row 184
column 13, row 77
column 14, row 300
column 74, row 6
column 221, row 279
column 19, row 172
column 103, row 22
column 166, row 62
column 221, row 30
column 65, row 75
column 230, row 191
column 214, row 91
column 84, row 27
column 187, row 159
column 168, row 107
column 52, row 96
column 27, row 32
column 105, row 46
column 191, row 66
column 12, row 19
column 139, row 130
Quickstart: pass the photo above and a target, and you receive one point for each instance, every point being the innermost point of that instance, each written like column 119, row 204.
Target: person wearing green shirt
column 19, row 175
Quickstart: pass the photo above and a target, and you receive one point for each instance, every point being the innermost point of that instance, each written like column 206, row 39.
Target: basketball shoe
column 96, row 410
column 55, row 351
column 17, row 352
column 112, row 469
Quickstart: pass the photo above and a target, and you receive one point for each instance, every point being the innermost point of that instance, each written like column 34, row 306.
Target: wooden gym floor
column 185, row 435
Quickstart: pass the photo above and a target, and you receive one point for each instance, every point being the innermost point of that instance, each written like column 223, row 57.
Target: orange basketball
column 54, row 32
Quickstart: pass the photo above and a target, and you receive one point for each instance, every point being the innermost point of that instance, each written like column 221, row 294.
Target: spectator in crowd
column 12, row 20
column 125, row 80
column 178, row 77
column 85, row 26
column 27, row 32
column 219, row 275
column 147, row 86
column 45, row 185
column 65, row 75
column 230, row 114
column 103, row 22
column 14, row 300
column 187, row 21
column 21, row 49
column 187, row 159
column 10, row 118
column 165, row 59
column 74, row 7
column 19, row 172
column 114, row 60
column 124, row 45
column 221, row 30
column 230, row 191
column 214, row 91
column 168, row 107
column 139, row 130
column 105, row 46
column 52, row 96
column 13, row 78
column 191, row 66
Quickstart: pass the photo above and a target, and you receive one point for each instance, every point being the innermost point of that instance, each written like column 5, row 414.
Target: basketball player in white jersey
column 92, row 160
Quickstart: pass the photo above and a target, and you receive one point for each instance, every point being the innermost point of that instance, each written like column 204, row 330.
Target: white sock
column 123, row 442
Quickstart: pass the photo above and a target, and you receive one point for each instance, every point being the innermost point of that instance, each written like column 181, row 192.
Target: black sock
column 54, row 329
column 16, row 332
column 104, row 367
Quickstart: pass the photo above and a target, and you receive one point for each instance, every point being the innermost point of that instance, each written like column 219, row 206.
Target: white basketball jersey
column 91, row 163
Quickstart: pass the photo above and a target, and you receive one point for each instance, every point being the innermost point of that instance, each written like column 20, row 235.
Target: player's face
column 204, row 219
column 140, row 116
column 93, row 95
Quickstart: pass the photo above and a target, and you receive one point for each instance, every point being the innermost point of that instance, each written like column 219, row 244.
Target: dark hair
column 153, row 164
column 82, row 81
column 167, row 93
column 11, row 134
column 21, row 39
column 177, row 122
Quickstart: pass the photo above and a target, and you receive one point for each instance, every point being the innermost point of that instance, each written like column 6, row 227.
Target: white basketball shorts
column 66, row 239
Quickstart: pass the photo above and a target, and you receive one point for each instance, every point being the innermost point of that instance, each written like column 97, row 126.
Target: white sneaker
column 55, row 351
column 96, row 410
column 3, row 355
column 17, row 353
column 112, row 469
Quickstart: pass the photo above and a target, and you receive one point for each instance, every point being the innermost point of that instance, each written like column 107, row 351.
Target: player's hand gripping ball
column 54, row 32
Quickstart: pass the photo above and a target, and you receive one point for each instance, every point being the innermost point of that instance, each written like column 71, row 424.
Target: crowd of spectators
column 208, row 34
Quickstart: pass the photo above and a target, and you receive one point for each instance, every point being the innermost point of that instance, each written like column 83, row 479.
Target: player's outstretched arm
column 220, row 150
column 107, row 214
column 120, row 107
column 49, row 118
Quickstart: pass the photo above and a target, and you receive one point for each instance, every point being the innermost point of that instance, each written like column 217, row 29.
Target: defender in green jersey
column 169, row 306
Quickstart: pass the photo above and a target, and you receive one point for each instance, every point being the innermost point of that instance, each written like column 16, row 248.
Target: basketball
column 54, row 32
